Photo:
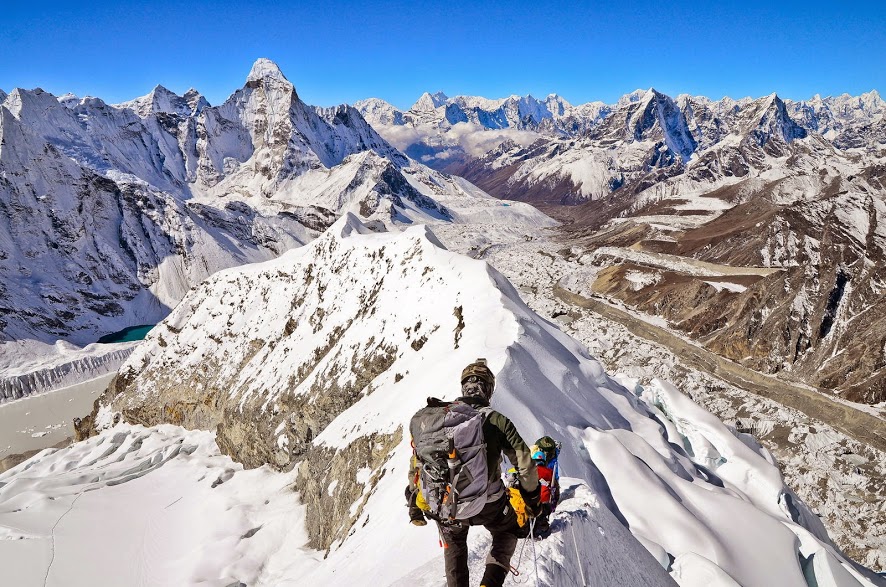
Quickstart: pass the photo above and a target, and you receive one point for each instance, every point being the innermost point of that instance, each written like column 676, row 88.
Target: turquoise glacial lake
column 128, row 334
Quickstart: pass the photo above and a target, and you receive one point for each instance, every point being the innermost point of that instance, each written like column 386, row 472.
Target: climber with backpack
column 544, row 453
column 455, row 477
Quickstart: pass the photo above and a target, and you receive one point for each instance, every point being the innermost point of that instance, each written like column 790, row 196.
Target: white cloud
column 469, row 137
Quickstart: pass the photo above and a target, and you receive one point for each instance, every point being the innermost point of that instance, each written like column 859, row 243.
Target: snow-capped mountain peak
column 161, row 100
column 869, row 103
column 556, row 104
column 430, row 102
column 195, row 100
column 377, row 111
column 68, row 100
column 637, row 95
column 265, row 69
column 773, row 120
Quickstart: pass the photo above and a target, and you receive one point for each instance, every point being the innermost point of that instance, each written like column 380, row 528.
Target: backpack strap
column 434, row 402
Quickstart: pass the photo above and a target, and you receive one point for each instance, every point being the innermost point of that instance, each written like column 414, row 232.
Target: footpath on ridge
column 862, row 426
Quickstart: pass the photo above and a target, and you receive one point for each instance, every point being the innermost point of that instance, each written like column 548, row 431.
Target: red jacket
column 546, row 478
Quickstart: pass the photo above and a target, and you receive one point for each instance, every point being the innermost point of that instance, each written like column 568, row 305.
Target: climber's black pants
column 499, row 518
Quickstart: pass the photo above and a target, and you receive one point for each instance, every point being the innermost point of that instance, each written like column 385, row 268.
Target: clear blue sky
column 338, row 52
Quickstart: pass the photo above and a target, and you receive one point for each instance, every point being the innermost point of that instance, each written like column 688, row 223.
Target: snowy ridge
column 305, row 382
column 248, row 520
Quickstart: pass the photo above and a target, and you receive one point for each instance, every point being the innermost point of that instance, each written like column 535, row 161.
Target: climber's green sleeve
column 512, row 445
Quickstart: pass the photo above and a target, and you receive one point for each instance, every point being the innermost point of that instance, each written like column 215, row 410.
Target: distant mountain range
column 644, row 132
column 798, row 186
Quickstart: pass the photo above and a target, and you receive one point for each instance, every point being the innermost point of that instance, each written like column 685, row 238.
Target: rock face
column 818, row 318
column 312, row 360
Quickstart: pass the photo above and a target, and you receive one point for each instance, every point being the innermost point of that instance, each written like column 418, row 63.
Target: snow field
column 139, row 506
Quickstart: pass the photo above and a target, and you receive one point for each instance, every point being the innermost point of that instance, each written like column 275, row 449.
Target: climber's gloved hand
column 416, row 516
column 532, row 500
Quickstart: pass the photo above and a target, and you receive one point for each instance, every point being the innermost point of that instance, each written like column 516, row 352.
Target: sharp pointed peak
column 653, row 94
column 428, row 101
column 872, row 95
column 264, row 68
column 437, row 98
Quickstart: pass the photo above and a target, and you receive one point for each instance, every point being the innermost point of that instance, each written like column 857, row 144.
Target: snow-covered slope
column 248, row 523
column 313, row 359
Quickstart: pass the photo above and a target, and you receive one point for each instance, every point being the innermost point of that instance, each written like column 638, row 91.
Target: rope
column 534, row 553
column 581, row 568
column 519, row 558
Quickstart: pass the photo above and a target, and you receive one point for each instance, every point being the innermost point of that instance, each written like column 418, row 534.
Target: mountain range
column 770, row 183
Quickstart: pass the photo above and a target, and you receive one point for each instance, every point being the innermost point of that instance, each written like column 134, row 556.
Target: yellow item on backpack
column 420, row 501
column 519, row 506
